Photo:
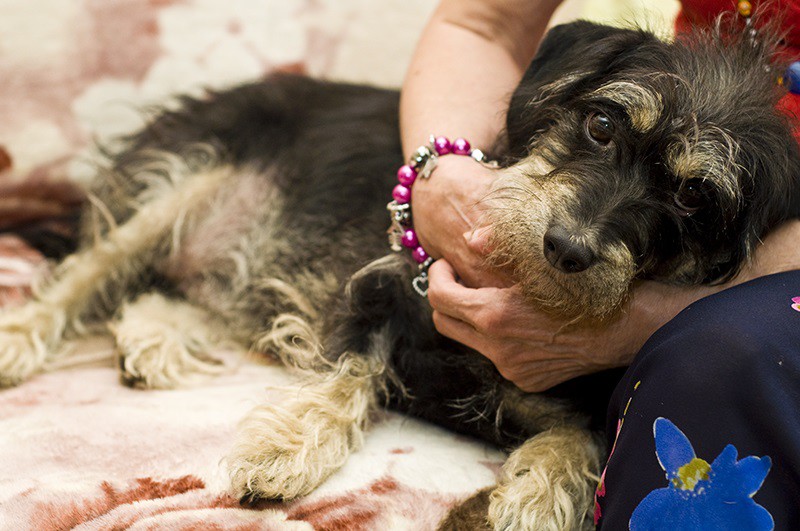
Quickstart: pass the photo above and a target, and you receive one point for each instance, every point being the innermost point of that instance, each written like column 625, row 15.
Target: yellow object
column 691, row 473
column 745, row 8
column 656, row 15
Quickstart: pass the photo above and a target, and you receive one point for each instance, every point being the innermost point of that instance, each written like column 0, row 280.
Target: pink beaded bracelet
column 421, row 165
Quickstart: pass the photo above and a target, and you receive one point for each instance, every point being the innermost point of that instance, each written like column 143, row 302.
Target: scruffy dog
column 262, row 209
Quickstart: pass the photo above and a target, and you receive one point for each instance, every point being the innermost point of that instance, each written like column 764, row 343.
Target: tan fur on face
column 524, row 204
column 551, row 89
column 708, row 153
column 643, row 105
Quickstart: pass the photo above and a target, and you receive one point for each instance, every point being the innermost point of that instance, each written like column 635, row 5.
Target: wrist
column 652, row 305
column 420, row 166
column 779, row 252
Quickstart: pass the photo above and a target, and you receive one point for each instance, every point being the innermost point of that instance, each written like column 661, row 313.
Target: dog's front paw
column 548, row 483
column 163, row 343
column 27, row 336
column 158, row 357
column 162, row 362
column 286, row 452
column 280, row 455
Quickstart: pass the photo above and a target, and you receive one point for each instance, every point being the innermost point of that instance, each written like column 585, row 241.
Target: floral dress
column 704, row 428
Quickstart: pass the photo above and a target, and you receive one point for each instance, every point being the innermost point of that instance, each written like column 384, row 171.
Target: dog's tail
column 44, row 213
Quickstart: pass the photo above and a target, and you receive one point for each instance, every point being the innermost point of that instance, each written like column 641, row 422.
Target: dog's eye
column 600, row 128
column 690, row 197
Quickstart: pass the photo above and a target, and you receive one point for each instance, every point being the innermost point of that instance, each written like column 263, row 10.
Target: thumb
column 478, row 240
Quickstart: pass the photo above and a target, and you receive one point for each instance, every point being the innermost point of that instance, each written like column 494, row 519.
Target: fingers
column 446, row 295
column 477, row 244
column 459, row 331
column 472, row 317
column 484, row 308
column 478, row 240
column 489, row 321
column 527, row 372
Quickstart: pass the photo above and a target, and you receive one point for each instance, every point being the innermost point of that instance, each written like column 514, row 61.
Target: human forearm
column 469, row 59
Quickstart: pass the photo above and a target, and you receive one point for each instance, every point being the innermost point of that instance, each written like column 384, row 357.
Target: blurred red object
column 704, row 12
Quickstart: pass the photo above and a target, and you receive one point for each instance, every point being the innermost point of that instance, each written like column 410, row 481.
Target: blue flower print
column 699, row 495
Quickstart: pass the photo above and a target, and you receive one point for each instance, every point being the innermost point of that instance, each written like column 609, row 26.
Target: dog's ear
column 570, row 56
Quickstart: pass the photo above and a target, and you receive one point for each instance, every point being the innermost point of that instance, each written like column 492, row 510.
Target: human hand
column 530, row 349
column 447, row 209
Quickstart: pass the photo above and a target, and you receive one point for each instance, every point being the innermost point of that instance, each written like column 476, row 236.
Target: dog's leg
column 28, row 336
column 164, row 343
column 286, row 450
column 548, row 482
column 94, row 281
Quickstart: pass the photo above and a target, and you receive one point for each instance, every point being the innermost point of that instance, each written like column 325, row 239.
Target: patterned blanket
column 80, row 451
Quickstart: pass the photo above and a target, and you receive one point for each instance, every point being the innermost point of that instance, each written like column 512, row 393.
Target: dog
column 257, row 215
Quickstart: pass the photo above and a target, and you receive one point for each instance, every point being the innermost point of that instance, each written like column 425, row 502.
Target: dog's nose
column 565, row 254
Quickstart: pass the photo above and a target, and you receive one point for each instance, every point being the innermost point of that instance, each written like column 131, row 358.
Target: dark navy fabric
column 726, row 371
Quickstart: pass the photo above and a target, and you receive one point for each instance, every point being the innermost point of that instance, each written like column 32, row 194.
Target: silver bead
column 398, row 213
column 427, row 167
column 420, row 156
column 481, row 157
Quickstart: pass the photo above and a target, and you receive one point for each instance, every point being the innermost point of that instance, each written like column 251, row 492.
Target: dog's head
column 630, row 157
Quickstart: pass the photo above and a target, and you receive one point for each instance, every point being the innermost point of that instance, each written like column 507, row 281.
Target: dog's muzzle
column 564, row 253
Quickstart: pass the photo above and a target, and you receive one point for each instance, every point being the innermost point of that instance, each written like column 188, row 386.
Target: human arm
column 537, row 352
column 469, row 58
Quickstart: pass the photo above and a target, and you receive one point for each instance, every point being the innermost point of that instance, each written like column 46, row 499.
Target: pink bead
column 409, row 239
column 419, row 255
column 406, row 175
column 401, row 194
column 461, row 147
column 442, row 145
